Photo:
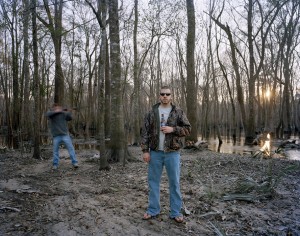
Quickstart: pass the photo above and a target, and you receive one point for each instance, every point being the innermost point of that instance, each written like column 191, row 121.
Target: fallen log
column 246, row 197
column 241, row 197
column 199, row 145
column 4, row 208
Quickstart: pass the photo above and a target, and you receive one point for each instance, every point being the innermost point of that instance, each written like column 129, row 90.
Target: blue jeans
column 171, row 161
column 57, row 140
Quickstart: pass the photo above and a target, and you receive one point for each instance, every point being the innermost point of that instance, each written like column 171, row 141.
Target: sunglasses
column 163, row 94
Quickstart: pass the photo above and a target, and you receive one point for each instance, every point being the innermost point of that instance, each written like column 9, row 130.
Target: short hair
column 166, row 87
column 55, row 104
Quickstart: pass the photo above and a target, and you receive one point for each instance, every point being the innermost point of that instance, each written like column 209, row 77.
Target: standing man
column 163, row 128
column 58, row 118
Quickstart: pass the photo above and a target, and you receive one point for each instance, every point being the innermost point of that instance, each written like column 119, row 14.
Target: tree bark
column 36, row 85
column 54, row 25
column 26, row 123
column 291, row 33
column 102, row 68
column 136, row 79
column 191, row 99
column 117, row 142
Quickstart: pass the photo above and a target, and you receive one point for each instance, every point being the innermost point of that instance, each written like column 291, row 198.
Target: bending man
column 58, row 118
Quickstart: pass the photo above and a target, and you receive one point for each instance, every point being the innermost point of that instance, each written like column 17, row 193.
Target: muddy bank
column 231, row 194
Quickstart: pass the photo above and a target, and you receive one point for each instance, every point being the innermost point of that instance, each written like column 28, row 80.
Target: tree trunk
column 191, row 99
column 224, row 72
column 26, row 123
column 107, row 105
column 36, row 84
column 117, row 142
column 101, row 17
column 290, row 33
column 15, row 70
column 250, row 128
column 239, row 88
column 136, row 79
column 56, row 31
column 216, row 108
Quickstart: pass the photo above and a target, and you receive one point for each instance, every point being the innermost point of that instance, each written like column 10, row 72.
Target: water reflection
column 293, row 154
column 228, row 146
column 240, row 148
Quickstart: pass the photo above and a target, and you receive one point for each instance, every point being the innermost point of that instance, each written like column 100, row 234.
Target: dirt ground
column 224, row 194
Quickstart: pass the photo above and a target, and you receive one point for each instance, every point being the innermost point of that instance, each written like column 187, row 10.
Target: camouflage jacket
column 151, row 128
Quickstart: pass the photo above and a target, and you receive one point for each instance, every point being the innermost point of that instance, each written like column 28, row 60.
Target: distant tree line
column 233, row 67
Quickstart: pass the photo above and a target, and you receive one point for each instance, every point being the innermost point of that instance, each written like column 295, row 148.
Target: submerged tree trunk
column 291, row 36
column 224, row 72
column 235, row 64
column 216, row 109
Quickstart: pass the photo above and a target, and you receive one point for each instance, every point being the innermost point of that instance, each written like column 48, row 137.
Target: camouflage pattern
column 151, row 128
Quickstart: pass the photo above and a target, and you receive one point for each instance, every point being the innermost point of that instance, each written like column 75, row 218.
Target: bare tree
column 15, row 68
column 103, row 74
column 231, row 95
column 27, row 125
column 255, row 65
column 136, row 79
column 10, row 70
column 101, row 14
column 36, row 84
column 4, row 85
column 291, row 38
column 117, row 142
column 191, row 98
column 216, row 109
column 54, row 25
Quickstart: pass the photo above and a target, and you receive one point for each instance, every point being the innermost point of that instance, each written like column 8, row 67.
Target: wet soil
column 224, row 194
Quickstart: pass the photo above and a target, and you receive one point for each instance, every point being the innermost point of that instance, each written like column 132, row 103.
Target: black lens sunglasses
column 163, row 94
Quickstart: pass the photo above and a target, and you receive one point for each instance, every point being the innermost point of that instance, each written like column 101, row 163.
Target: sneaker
column 75, row 165
column 54, row 167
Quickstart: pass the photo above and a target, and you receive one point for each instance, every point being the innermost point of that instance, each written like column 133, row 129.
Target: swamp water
column 239, row 147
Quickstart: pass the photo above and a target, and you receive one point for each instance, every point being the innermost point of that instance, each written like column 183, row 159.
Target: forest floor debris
column 221, row 193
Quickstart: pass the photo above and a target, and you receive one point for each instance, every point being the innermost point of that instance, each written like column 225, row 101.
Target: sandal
column 178, row 219
column 148, row 216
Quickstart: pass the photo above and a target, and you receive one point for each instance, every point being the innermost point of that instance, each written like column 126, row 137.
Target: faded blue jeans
column 66, row 139
column 171, row 161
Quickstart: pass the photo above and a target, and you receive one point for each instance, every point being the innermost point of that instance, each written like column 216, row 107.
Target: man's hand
column 146, row 157
column 57, row 109
column 167, row 129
